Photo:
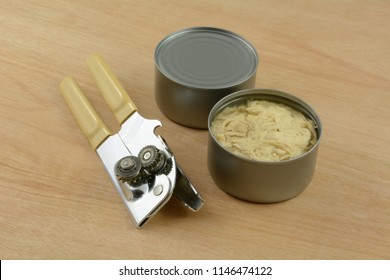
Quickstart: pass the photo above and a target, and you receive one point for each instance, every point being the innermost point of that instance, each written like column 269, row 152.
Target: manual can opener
column 139, row 163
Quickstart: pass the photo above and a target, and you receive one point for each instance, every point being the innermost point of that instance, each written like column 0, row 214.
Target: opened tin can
column 262, row 181
column 196, row 67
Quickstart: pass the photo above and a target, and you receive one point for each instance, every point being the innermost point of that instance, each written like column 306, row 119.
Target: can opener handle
column 88, row 119
column 112, row 90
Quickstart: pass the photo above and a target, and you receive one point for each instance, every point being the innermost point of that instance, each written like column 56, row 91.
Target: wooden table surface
column 56, row 200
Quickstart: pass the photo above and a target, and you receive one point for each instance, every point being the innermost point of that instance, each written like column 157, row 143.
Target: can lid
column 206, row 57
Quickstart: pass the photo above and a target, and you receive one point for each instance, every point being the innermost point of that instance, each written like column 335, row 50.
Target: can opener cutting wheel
column 139, row 163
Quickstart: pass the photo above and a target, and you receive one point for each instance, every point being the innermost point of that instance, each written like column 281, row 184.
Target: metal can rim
column 175, row 34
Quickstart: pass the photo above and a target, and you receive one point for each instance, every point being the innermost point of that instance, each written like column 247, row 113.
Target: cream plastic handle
column 113, row 92
column 90, row 122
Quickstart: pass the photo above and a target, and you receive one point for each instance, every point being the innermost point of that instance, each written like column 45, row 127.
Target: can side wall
column 190, row 106
column 260, row 182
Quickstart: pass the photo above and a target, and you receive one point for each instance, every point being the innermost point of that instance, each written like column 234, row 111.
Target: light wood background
column 56, row 201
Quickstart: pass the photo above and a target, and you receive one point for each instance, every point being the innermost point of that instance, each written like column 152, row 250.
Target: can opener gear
column 139, row 163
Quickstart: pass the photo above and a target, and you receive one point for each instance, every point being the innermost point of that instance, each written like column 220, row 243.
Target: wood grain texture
column 56, row 201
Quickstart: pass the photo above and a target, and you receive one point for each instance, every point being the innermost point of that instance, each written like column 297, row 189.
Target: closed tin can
column 262, row 181
column 196, row 67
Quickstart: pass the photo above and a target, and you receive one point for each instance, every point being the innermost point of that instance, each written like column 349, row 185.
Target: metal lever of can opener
column 139, row 163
